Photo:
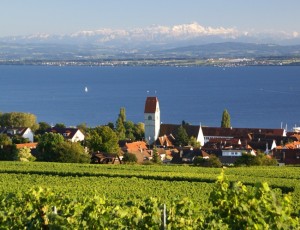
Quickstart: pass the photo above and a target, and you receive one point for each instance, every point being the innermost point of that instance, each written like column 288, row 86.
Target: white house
column 70, row 134
column 18, row 131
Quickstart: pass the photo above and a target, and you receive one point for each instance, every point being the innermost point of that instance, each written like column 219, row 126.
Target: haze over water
column 254, row 96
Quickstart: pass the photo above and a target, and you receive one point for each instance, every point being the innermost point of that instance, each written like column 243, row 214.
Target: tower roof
column 150, row 105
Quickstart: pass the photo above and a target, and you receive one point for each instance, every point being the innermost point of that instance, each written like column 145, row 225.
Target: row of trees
column 53, row 147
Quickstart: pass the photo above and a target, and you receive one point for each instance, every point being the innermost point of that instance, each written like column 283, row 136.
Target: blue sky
column 23, row 17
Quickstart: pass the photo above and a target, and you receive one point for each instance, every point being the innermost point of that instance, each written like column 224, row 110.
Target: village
column 178, row 143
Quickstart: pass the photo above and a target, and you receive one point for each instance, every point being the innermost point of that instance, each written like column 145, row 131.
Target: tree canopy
column 18, row 119
column 47, row 146
column 182, row 138
column 103, row 138
column 225, row 123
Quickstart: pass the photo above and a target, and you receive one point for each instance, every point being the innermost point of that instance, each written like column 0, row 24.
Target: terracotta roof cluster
column 28, row 145
column 150, row 105
column 165, row 140
column 136, row 146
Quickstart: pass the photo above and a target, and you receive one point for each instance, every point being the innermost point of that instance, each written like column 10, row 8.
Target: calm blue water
column 254, row 96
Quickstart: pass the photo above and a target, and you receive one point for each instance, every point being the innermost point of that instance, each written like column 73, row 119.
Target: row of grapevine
column 233, row 206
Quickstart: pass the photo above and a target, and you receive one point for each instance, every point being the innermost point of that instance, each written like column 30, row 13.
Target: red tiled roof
column 136, row 146
column 28, row 145
column 150, row 105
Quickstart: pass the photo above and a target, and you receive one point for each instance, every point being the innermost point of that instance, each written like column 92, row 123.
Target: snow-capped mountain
column 157, row 35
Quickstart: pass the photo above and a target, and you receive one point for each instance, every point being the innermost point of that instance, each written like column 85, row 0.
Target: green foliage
column 122, row 114
column 70, row 152
column 120, row 124
column 43, row 127
column 120, row 129
column 24, row 154
column 18, row 119
column 47, row 146
column 233, row 206
column 212, row 161
column 259, row 208
column 259, row 160
column 182, row 138
column 193, row 142
column 60, row 125
column 155, row 156
column 5, row 140
column 17, row 139
column 225, row 123
column 104, row 139
column 83, row 128
column 129, row 158
column 8, row 152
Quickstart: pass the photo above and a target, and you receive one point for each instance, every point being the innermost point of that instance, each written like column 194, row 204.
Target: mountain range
column 185, row 40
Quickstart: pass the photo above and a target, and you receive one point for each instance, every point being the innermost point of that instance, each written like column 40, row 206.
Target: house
column 287, row 156
column 105, row 158
column 18, row 131
column 138, row 148
column 70, row 134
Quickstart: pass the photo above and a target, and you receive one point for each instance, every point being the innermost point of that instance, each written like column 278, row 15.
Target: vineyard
column 135, row 191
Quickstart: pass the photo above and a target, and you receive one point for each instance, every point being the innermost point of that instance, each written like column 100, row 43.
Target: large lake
column 254, row 96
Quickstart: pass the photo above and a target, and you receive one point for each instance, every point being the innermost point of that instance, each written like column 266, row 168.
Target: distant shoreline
column 176, row 62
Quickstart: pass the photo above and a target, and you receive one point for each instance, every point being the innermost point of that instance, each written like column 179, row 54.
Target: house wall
column 78, row 136
column 28, row 134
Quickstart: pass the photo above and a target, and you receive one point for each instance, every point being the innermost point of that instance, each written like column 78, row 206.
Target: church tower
column 152, row 119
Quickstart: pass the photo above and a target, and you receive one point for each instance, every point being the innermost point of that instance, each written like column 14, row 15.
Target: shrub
column 212, row 161
column 129, row 158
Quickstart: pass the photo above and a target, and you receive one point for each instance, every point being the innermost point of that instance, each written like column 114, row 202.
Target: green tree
column 130, row 130
column 120, row 129
column 8, row 150
column 47, row 146
column 5, row 140
column 60, row 125
column 43, row 127
column 129, row 158
column 225, row 123
column 122, row 114
column 212, row 162
column 71, row 152
column 103, row 138
column 24, row 154
column 182, row 138
column 250, row 160
column 139, row 131
column 155, row 156
column 193, row 142
column 18, row 119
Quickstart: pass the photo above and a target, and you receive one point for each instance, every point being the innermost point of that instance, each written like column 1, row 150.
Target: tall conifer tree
column 225, row 123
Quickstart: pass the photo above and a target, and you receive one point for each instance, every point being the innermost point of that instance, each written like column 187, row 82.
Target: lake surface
column 254, row 96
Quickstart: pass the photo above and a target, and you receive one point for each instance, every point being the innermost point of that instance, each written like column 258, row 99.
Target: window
column 149, row 117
